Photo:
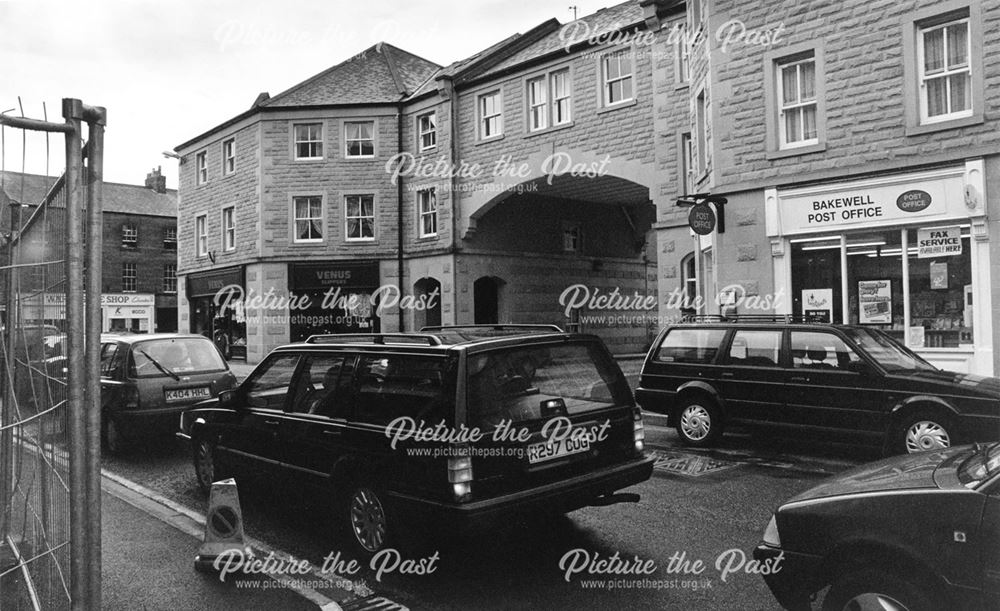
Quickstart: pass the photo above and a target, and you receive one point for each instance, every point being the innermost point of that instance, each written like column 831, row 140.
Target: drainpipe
column 399, row 212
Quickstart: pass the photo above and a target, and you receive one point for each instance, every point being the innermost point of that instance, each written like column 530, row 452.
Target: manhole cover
column 691, row 465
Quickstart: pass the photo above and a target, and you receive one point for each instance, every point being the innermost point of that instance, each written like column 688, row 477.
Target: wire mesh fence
column 50, row 520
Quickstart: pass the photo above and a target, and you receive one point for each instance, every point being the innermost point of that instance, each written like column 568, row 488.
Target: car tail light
column 638, row 432
column 771, row 536
column 130, row 397
column 460, row 472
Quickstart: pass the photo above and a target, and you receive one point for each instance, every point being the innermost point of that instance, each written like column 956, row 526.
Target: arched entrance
column 427, row 291
column 486, row 300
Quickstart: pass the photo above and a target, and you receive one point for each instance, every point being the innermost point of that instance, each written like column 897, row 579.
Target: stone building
column 139, row 272
column 484, row 189
column 857, row 145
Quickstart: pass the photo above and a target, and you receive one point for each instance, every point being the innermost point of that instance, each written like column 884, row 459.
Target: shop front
column 128, row 312
column 905, row 253
column 213, row 315
column 333, row 298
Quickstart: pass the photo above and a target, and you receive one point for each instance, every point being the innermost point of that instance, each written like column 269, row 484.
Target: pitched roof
column 604, row 21
column 120, row 198
column 381, row 74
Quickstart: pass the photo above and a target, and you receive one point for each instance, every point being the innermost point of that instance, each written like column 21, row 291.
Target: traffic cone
column 223, row 526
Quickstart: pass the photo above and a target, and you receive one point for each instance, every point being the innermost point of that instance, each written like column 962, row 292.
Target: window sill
column 427, row 238
column 928, row 128
column 360, row 158
column 682, row 85
column 360, row 241
column 490, row 139
column 307, row 159
column 429, row 149
column 617, row 106
column 305, row 242
column 796, row 150
column 549, row 130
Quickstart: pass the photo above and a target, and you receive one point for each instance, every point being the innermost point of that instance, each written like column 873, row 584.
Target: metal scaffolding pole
column 95, row 192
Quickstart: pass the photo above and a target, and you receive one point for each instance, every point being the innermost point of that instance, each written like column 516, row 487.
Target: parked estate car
column 853, row 383
column 384, row 428
column 911, row 532
column 147, row 380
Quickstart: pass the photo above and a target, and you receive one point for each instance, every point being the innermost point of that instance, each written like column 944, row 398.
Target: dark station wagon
column 382, row 427
column 846, row 383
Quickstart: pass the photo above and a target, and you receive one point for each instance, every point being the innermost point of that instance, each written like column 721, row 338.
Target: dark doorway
column 487, row 300
column 428, row 294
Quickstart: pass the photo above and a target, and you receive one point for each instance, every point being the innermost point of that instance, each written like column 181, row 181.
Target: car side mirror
column 226, row 396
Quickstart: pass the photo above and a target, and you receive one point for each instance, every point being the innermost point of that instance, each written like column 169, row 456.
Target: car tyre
column 877, row 589
column 366, row 519
column 922, row 431
column 699, row 422
column 206, row 467
column 111, row 437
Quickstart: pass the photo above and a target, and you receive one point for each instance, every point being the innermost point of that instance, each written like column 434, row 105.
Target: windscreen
column 540, row 382
column 175, row 356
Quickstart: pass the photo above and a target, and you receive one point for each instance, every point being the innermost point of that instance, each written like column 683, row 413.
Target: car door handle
column 798, row 379
column 272, row 422
column 331, row 432
column 726, row 374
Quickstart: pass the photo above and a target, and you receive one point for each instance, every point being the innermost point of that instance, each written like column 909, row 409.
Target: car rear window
column 182, row 355
column 520, row 384
column 394, row 385
column 690, row 345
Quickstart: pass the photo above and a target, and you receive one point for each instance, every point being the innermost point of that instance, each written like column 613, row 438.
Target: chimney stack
column 156, row 181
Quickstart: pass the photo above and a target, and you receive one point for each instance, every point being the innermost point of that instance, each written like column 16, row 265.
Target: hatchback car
column 448, row 428
column 918, row 532
column 849, row 383
column 147, row 380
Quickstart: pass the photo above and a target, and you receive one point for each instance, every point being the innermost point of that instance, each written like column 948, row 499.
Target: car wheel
column 877, row 590
column 698, row 422
column 111, row 436
column 923, row 431
column 367, row 520
column 206, row 469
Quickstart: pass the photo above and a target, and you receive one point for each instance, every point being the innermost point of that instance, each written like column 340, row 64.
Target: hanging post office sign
column 939, row 242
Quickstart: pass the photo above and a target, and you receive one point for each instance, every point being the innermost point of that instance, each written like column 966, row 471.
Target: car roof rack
column 776, row 318
column 374, row 338
column 536, row 328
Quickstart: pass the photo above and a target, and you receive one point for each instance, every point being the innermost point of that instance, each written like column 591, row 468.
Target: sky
column 168, row 71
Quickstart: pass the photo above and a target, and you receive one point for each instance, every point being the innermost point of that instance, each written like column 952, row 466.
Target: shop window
column 940, row 272
column 130, row 235
column 427, row 206
column 169, row 277
column 359, row 137
column 308, row 141
column 427, row 131
column 308, row 218
column 360, row 217
column 490, row 115
column 129, row 277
